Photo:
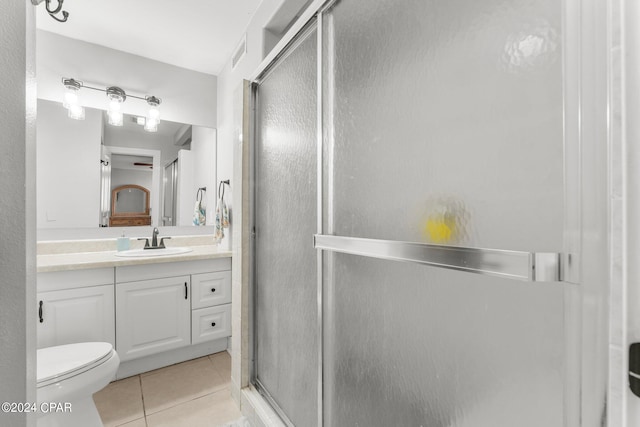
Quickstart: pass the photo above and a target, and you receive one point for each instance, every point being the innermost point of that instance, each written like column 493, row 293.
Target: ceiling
column 196, row 34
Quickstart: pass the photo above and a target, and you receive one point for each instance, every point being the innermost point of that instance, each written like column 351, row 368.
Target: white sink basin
column 154, row 252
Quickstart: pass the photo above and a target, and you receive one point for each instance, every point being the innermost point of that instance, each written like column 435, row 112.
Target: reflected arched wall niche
column 129, row 206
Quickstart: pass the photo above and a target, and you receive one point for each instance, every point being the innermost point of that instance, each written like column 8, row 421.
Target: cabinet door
column 76, row 315
column 211, row 289
column 152, row 316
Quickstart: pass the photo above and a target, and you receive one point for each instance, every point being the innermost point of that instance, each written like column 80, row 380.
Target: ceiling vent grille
column 239, row 53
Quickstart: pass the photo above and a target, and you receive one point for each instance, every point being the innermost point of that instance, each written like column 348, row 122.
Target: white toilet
column 68, row 375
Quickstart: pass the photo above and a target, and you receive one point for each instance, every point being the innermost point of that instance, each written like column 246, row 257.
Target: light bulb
column 70, row 98
column 115, row 106
column 151, row 125
column 153, row 115
column 114, row 110
column 71, row 93
column 115, row 118
column 76, row 112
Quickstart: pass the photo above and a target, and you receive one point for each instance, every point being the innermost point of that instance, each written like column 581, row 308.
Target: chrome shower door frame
column 584, row 262
column 308, row 22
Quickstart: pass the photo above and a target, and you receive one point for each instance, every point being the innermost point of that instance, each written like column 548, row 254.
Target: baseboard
column 160, row 360
column 236, row 392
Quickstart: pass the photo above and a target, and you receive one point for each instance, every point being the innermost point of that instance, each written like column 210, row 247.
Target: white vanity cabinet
column 75, row 306
column 166, row 307
column 155, row 312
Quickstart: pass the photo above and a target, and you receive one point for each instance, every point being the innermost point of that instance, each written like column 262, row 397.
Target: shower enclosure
column 415, row 206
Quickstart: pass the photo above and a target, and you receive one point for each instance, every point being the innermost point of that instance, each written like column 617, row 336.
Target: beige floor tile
column 120, row 402
column 212, row 410
column 222, row 363
column 181, row 383
column 137, row 423
column 159, row 370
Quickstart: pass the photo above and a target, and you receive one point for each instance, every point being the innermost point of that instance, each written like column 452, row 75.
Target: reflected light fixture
column 116, row 97
column 153, row 116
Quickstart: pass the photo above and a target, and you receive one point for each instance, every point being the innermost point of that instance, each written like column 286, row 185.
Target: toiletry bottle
column 123, row 243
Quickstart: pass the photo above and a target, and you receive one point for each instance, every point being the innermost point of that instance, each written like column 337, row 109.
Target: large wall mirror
column 154, row 176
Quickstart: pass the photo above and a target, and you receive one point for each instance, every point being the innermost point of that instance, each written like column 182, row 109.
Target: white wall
column 118, row 137
column 229, row 80
column 197, row 168
column 185, row 195
column 129, row 176
column 271, row 14
column 67, row 149
column 203, row 147
column 187, row 96
column 17, row 210
column 262, row 35
column 625, row 319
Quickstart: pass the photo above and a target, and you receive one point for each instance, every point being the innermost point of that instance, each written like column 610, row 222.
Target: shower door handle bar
column 519, row 265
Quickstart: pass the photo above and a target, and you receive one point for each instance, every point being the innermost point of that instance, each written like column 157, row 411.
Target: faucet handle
column 162, row 242
column 146, row 243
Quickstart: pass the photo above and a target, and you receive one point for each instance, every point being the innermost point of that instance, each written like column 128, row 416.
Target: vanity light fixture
column 71, row 100
column 116, row 97
column 114, row 111
column 53, row 11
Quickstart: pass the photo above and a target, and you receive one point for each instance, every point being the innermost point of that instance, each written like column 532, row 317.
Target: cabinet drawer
column 210, row 323
column 209, row 289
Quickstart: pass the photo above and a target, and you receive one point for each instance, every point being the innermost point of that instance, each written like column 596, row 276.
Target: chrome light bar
column 529, row 266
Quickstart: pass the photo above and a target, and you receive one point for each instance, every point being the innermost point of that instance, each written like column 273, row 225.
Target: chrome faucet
column 154, row 240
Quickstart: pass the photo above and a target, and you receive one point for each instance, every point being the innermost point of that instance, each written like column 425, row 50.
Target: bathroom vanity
column 156, row 311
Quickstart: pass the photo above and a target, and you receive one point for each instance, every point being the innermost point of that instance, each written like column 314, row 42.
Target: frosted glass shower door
column 286, row 339
column 442, row 125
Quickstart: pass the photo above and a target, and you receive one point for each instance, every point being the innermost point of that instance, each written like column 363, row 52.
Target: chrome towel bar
column 529, row 266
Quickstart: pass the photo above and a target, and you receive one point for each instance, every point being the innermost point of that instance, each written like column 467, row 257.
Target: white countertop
column 80, row 260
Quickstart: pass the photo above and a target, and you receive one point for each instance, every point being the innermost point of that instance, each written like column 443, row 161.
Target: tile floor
column 195, row 393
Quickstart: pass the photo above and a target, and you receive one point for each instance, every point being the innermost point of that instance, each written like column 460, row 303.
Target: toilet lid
column 63, row 361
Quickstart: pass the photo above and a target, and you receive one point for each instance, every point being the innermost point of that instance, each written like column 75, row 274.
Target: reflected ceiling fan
column 149, row 165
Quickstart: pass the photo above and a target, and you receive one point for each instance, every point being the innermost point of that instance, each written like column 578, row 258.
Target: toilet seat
column 58, row 363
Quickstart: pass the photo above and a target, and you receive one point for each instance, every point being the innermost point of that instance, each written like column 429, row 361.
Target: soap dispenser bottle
column 123, row 243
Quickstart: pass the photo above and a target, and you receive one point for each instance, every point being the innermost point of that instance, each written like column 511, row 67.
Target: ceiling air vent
column 238, row 54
